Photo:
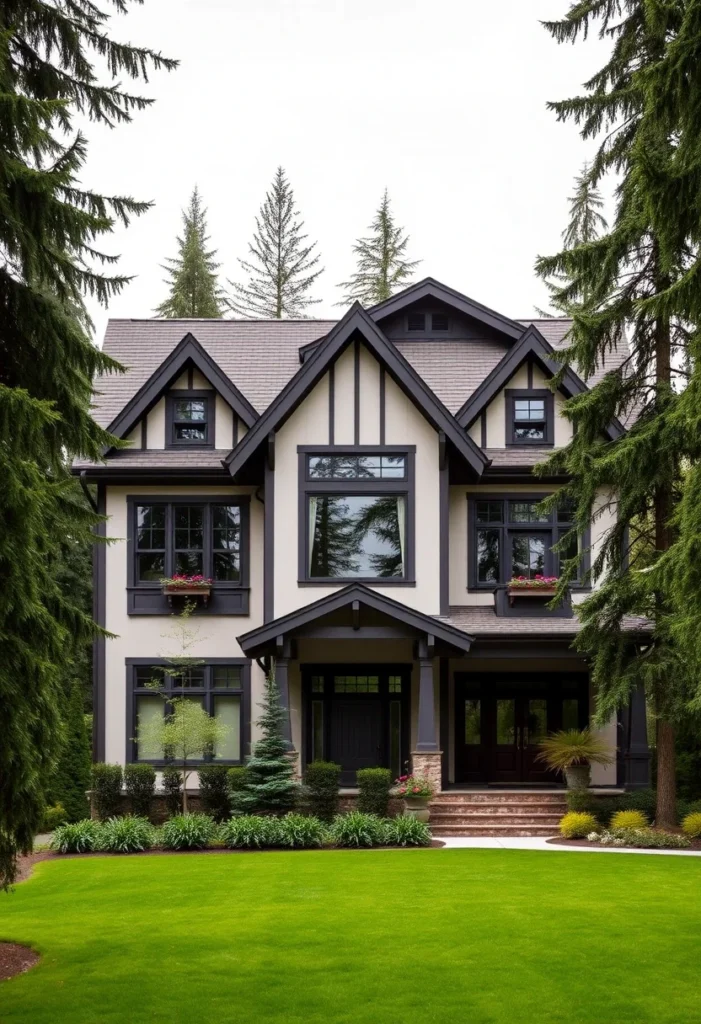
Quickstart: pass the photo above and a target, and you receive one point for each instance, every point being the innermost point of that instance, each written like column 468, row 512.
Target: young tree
column 382, row 266
column 194, row 289
column 282, row 266
column 269, row 783
column 616, row 286
column 50, row 228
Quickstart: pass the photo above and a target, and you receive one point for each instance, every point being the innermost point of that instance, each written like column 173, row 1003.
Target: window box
column 185, row 587
column 543, row 590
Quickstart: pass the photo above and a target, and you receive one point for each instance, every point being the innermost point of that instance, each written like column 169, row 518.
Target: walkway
column 537, row 843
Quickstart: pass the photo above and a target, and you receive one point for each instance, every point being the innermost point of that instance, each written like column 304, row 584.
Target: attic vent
column 416, row 322
column 439, row 322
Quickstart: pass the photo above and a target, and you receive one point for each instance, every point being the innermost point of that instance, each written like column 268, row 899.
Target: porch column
column 637, row 756
column 426, row 759
column 283, row 686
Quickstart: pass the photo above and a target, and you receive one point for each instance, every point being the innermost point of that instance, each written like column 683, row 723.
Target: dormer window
column 190, row 418
column 440, row 322
column 529, row 417
column 416, row 322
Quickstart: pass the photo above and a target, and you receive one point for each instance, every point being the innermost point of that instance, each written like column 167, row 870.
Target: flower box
column 543, row 587
column 187, row 586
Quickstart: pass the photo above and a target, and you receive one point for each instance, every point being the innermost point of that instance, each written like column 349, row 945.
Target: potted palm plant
column 573, row 752
column 416, row 793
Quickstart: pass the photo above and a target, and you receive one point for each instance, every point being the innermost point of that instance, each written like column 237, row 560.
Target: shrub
column 188, row 832
column 686, row 807
column 214, row 791
column 140, row 785
column 357, row 829
column 172, row 781
column 78, row 837
column 577, row 825
column 374, row 785
column 322, row 780
column 407, row 831
column 129, row 834
column 301, row 832
column 644, row 839
column 691, row 825
column 250, row 831
column 629, row 819
column 236, row 777
column 269, row 783
column 107, row 789
column 72, row 777
column 572, row 747
column 53, row 817
column 644, row 800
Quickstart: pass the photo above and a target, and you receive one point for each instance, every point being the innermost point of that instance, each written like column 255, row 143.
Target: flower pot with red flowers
column 543, row 587
column 181, row 585
column 416, row 793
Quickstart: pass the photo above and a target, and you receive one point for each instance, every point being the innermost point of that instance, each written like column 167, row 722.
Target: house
column 361, row 493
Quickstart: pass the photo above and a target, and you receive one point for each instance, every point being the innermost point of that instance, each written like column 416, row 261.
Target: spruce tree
column 269, row 784
column 50, row 228
column 617, row 287
column 194, row 289
column 382, row 266
column 282, row 266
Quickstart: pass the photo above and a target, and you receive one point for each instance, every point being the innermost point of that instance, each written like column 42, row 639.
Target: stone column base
column 428, row 764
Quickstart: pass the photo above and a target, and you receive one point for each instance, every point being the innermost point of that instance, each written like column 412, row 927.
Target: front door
column 356, row 735
column 520, row 724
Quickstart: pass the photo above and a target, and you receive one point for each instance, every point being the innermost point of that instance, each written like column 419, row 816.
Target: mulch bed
column 15, row 959
column 695, row 844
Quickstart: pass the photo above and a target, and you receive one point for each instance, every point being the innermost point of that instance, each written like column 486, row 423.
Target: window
column 223, row 690
column 440, row 322
column 416, row 322
column 188, row 418
column 356, row 515
column 208, row 537
column 529, row 417
column 512, row 537
column 356, row 684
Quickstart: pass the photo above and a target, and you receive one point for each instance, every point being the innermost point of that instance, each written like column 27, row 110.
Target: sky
column 442, row 102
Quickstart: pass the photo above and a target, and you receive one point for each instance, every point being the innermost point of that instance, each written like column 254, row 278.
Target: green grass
column 406, row 937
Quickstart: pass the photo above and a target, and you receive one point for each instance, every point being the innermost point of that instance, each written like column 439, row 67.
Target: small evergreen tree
column 269, row 784
column 282, row 268
column 382, row 266
column 72, row 779
column 194, row 289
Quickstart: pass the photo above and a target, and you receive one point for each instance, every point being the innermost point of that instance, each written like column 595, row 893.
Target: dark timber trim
column 188, row 351
column 529, row 371
column 356, row 392
column 382, row 405
column 444, row 538
column 269, row 544
column 144, row 433
column 332, row 402
column 357, row 323
column 99, row 663
column 483, row 428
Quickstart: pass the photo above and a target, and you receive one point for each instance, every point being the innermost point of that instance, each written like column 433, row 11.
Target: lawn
column 371, row 937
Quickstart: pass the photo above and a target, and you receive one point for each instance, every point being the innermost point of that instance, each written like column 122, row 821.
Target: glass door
column 507, row 740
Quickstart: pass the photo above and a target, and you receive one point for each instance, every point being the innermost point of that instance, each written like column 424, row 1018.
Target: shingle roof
column 517, row 455
column 482, row 621
column 160, row 458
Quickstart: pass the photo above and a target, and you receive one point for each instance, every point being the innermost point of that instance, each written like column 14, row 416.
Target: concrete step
column 493, row 830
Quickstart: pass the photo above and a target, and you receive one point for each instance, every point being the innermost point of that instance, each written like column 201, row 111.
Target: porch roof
column 356, row 612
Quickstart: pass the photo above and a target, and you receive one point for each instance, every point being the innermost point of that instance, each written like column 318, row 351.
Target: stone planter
column 417, row 807
column 578, row 776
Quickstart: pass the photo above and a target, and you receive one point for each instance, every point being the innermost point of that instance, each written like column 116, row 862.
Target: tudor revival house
column 360, row 493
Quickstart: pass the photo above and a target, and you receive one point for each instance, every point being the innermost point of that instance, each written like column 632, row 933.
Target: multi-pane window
column 219, row 689
column 189, row 416
column 529, row 417
column 189, row 539
column 513, row 537
column 356, row 684
column 358, row 528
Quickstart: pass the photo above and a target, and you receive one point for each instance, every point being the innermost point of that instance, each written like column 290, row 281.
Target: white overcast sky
column 441, row 101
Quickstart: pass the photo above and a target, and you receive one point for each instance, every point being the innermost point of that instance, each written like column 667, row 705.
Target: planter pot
column 417, row 807
column 578, row 776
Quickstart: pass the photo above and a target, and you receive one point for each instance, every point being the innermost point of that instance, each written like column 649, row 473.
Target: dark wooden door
column 505, row 740
column 356, row 736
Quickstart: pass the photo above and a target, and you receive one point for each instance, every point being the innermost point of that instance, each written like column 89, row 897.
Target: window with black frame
column 512, row 537
column 529, row 417
column 221, row 689
column 356, row 509
column 189, row 416
column 179, row 538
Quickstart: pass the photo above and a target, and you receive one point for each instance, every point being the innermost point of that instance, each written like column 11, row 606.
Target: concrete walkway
column 538, row 843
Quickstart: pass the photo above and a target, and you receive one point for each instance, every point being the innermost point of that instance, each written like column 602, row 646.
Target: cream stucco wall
column 156, row 419
column 496, row 411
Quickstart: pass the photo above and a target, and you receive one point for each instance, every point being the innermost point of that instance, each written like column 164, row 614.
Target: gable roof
column 531, row 345
column 186, row 352
column 256, row 640
column 356, row 322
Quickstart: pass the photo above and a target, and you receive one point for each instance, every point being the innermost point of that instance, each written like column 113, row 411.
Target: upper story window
column 428, row 323
column 205, row 537
column 416, row 322
column 529, row 417
column 440, row 322
column 512, row 537
column 190, row 416
column 356, row 515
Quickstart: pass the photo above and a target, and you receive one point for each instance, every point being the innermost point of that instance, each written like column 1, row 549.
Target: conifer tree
column 50, row 228
column 194, row 289
column 72, row 779
column 382, row 266
column 282, row 265
column 269, row 783
column 614, row 287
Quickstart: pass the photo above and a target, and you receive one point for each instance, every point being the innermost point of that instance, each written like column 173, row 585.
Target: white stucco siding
column 344, row 399
column 156, row 425
column 146, row 636
column 496, row 411
column 223, row 424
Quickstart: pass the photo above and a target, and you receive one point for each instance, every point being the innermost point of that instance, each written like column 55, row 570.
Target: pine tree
column 282, row 268
column 49, row 232
column 269, row 785
column 382, row 266
column 72, row 778
column 194, row 289
column 586, row 219
column 616, row 286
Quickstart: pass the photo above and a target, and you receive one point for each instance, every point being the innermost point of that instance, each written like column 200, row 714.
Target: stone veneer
column 429, row 766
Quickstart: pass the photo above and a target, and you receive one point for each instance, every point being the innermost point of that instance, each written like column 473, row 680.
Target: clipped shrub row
column 132, row 834
column 644, row 800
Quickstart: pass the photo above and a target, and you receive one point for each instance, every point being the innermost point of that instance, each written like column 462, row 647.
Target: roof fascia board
column 187, row 350
column 342, row 598
column 404, row 375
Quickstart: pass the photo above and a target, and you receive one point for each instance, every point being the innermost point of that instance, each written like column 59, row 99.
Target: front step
column 496, row 813
column 445, row 831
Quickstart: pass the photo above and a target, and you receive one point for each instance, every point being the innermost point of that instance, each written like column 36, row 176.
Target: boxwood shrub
column 107, row 790
column 374, row 785
column 214, row 790
column 78, row 837
column 322, row 781
column 140, row 785
column 172, row 790
column 188, row 832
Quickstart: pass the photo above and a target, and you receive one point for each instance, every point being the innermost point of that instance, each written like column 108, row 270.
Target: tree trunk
column 666, row 815
column 184, row 791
